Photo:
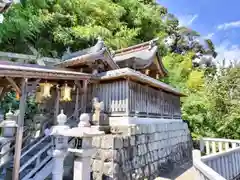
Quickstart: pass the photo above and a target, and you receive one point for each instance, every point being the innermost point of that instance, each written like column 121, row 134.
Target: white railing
column 221, row 164
column 214, row 145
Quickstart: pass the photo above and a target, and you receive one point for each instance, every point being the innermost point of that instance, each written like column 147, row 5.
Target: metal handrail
column 42, row 139
column 35, row 145
column 34, row 157
column 44, row 161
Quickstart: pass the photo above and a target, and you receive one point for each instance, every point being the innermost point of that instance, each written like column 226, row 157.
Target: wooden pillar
column 76, row 104
column 84, row 96
column 128, row 96
column 19, row 134
column 56, row 112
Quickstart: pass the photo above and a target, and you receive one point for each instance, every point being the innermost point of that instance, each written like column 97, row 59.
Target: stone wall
column 141, row 151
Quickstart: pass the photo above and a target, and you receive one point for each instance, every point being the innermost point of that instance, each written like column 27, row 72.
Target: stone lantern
column 83, row 149
column 9, row 125
column 60, row 146
column 8, row 128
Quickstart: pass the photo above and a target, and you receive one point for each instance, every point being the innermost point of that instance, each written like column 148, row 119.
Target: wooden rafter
column 13, row 84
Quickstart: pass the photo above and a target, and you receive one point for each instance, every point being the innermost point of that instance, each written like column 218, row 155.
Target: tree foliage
column 51, row 26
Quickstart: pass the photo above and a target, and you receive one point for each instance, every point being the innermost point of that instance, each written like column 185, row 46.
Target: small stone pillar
column 60, row 146
column 83, row 149
column 99, row 119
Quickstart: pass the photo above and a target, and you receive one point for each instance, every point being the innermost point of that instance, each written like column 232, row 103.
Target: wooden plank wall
column 128, row 98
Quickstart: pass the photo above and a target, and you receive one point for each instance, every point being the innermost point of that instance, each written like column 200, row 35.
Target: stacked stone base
column 136, row 152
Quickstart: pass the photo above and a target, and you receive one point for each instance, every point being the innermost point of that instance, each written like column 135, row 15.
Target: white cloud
column 187, row 20
column 225, row 26
column 229, row 52
column 209, row 36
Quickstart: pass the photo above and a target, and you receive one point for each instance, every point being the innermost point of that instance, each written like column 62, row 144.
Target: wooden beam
column 19, row 134
column 14, row 84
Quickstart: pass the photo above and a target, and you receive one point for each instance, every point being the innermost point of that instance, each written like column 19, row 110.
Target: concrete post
column 196, row 154
column 60, row 144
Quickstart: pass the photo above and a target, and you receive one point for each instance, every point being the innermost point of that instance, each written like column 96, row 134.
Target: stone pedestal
column 58, row 159
column 82, row 164
column 60, row 146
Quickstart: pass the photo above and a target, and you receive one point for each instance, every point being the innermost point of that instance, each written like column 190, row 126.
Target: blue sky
column 218, row 20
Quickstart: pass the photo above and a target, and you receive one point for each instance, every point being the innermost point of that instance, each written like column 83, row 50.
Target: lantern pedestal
column 60, row 146
column 83, row 150
column 82, row 163
column 58, row 162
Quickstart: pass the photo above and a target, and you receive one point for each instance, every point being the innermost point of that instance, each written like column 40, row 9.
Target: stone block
column 107, row 155
column 138, row 174
column 97, row 154
column 132, row 141
column 146, row 171
column 108, row 168
column 126, row 141
column 107, row 142
column 96, row 142
column 116, row 156
column 138, row 129
column 132, row 130
column 97, row 165
column 97, row 176
column 122, row 155
column 118, row 142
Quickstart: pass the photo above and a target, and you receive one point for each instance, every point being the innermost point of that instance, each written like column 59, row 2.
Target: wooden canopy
column 10, row 69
